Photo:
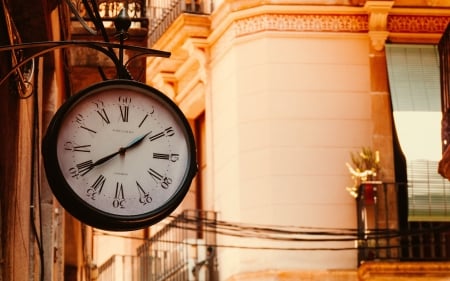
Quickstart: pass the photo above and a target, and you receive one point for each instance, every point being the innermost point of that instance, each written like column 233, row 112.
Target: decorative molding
column 417, row 24
column 378, row 38
column 192, row 77
column 341, row 23
column 302, row 22
column 378, row 15
column 430, row 271
column 165, row 82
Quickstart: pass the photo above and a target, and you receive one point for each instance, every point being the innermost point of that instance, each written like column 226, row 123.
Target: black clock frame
column 83, row 211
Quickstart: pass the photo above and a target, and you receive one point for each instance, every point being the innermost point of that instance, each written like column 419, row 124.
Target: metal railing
column 120, row 268
column 110, row 9
column 157, row 16
column 163, row 15
column 384, row 232
column 182, row 250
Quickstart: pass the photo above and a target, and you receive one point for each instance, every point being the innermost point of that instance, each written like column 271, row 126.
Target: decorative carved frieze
column 341, row 23
column 417, row 24
column 299, row 22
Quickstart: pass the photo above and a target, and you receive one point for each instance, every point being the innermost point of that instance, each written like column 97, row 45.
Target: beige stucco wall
column 286, row 111
column 288, row 92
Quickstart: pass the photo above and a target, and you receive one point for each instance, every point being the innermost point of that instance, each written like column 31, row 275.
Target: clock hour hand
column 106, row 158
column 121, row 150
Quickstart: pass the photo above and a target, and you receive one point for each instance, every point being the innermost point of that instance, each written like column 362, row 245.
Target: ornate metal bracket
column 50, row 46
column 122, row 23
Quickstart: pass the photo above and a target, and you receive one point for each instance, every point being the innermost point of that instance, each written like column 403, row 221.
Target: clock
column 119, row 155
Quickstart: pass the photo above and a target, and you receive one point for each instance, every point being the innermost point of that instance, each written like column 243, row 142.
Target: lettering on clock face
column 123, row 153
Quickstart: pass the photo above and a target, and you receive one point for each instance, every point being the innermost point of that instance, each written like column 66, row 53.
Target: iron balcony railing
column 182, row 250
column 157, row 15
column 110, row 9
column 162, row 16
column 384, row 232
column 120, row 268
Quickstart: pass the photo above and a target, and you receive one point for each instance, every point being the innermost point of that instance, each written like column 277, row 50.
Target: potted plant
column 365, row 169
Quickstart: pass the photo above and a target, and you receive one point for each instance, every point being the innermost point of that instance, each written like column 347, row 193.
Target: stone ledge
column 296, row 275
column 399, row 271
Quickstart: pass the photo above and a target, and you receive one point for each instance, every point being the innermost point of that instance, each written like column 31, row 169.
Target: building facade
column 279, row 94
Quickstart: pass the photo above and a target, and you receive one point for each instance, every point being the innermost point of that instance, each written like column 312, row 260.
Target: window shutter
column 416, row 99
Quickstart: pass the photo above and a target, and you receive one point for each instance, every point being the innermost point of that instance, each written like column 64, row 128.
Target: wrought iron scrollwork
column 23, row 67
column 24, row 73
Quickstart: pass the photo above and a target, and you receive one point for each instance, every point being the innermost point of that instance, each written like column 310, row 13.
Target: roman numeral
column 84, row 167
column 157, row 136
column 96, row 187
column 79, row 119
column 119, row 198
column 78, row 148
column 144, row 196
column 142, row 122
column 124, row 109
column 98, row 184
column 167, row 132
column 87, row 129
column 82, row 148
column 164, row 182
column 157, row 177
column 103, row 115
column 165, row 156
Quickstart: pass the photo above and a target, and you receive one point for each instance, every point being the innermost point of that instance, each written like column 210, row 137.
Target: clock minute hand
column 121, row 150
column 136, row 141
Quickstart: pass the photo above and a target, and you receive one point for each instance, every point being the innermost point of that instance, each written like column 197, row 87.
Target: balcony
column 109, row 9
column 183, row 250
column 385, row 234
column 156, row 16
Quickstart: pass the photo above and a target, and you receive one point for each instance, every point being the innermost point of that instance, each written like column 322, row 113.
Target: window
column 416, row 100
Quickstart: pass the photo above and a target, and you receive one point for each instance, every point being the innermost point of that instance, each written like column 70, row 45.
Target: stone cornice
column 380, row 16
column 381, row 21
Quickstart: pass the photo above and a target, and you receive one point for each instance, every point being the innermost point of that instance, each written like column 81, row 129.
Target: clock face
column 119, row 155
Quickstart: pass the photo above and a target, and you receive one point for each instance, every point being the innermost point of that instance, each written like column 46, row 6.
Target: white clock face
column 122, row 151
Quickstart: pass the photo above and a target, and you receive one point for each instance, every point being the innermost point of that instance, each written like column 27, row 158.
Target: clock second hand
column 121, row 150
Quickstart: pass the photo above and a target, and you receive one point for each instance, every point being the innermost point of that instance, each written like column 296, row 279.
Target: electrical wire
column 279, row 233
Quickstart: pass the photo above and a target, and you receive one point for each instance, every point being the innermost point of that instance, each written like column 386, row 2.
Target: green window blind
column 416, row 99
